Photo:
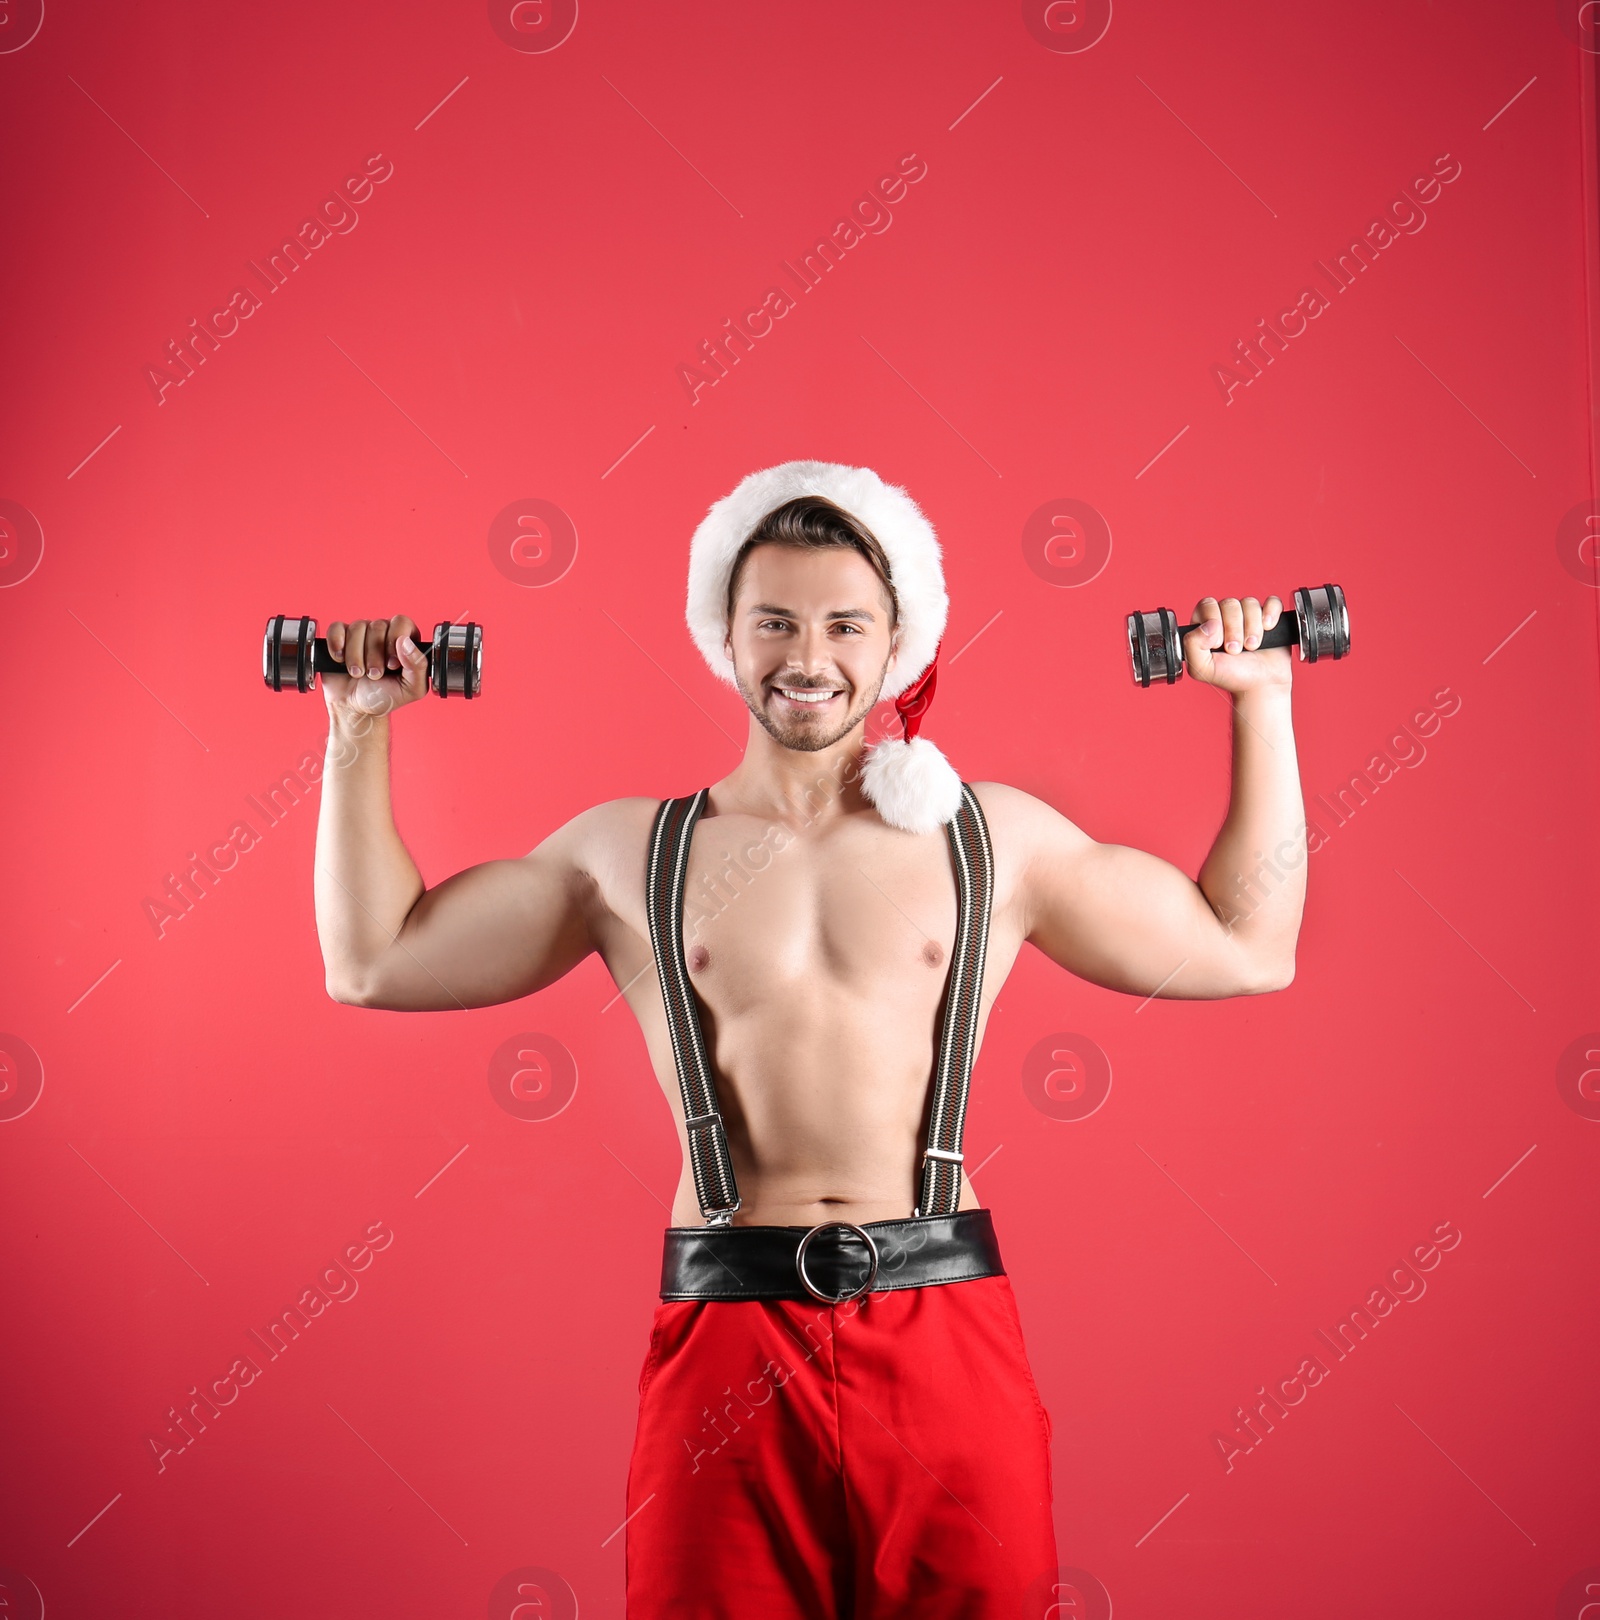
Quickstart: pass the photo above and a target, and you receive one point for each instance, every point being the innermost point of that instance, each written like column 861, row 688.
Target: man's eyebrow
column 838, row 613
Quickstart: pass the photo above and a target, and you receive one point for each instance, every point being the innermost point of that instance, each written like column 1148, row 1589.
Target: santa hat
column 908, row 781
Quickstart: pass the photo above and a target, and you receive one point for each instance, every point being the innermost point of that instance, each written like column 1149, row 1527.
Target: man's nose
column 811, row 651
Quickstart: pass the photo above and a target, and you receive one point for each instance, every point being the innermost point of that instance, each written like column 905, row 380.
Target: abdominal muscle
column 825, row 1103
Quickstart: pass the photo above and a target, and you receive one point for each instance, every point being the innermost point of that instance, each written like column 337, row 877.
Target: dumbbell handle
column 1285, row 633
column 325, row 663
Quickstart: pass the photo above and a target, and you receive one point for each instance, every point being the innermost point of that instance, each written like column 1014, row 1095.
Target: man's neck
column 793, row 787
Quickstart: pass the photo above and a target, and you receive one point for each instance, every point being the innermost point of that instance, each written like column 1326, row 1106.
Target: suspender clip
column 711, row 1124
column 942, row 1153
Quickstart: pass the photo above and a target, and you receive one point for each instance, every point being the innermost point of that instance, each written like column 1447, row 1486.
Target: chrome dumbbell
column 1319, row 627
column 293, row 655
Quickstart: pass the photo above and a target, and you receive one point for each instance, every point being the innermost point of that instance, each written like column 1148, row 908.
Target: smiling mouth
column 808, row 697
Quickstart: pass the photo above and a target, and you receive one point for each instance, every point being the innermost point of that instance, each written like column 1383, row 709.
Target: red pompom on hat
column 906, row 779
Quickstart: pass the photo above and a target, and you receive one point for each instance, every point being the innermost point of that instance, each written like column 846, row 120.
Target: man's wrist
column 352, row 732
column 1265, row 712
column 1263, row 700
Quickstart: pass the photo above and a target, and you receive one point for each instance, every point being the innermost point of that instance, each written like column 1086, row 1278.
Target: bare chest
column 857, row 911
column 819, row 960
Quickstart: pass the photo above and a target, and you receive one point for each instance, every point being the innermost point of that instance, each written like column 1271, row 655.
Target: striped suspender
column 714, row 1183
column 958, row 1028
column 708, row 1140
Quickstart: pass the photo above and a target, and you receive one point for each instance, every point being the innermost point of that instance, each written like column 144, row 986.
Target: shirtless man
column 837, row 1415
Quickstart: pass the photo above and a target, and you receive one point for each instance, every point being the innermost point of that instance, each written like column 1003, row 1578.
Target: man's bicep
column 1128, row 920
column 491, row 933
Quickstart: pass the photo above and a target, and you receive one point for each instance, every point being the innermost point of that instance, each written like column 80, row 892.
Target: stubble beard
column 802, row 736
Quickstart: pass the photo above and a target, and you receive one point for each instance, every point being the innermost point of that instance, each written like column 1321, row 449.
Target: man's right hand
column 373, row 650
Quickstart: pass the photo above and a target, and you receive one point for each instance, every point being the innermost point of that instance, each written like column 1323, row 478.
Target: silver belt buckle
column 855, row 1293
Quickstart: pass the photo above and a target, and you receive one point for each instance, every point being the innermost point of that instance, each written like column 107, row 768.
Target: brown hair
column 814, row 522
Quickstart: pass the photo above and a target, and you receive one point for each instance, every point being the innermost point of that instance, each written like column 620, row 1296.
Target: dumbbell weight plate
column 1153, row 646
column 288, row 652
column 455, row 660
column 1323, row 622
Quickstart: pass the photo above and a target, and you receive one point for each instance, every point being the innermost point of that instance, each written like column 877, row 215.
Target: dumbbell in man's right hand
column 385, row 668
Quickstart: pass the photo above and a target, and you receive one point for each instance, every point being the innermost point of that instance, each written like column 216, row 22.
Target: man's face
column 810, row 640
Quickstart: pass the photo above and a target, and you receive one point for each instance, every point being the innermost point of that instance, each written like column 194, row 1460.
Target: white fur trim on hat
column 887, row 510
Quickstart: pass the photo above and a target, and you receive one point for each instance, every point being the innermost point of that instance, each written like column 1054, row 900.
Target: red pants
column 885, row 1457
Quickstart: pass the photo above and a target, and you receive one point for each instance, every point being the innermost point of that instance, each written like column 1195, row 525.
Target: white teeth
column 806, row 696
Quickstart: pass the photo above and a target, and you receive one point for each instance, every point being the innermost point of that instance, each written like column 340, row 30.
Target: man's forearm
column 366, row 881
column 1255, row 875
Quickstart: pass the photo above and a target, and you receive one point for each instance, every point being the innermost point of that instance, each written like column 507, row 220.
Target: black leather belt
column 833, row 1262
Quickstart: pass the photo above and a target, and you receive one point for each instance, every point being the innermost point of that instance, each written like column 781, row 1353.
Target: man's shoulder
column 637, row 810
column 1003, row 803
column 1020, row 819
column 608, row 841
column 607, row 825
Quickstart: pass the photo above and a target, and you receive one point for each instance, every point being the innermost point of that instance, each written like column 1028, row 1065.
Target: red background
column 1037, row 323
